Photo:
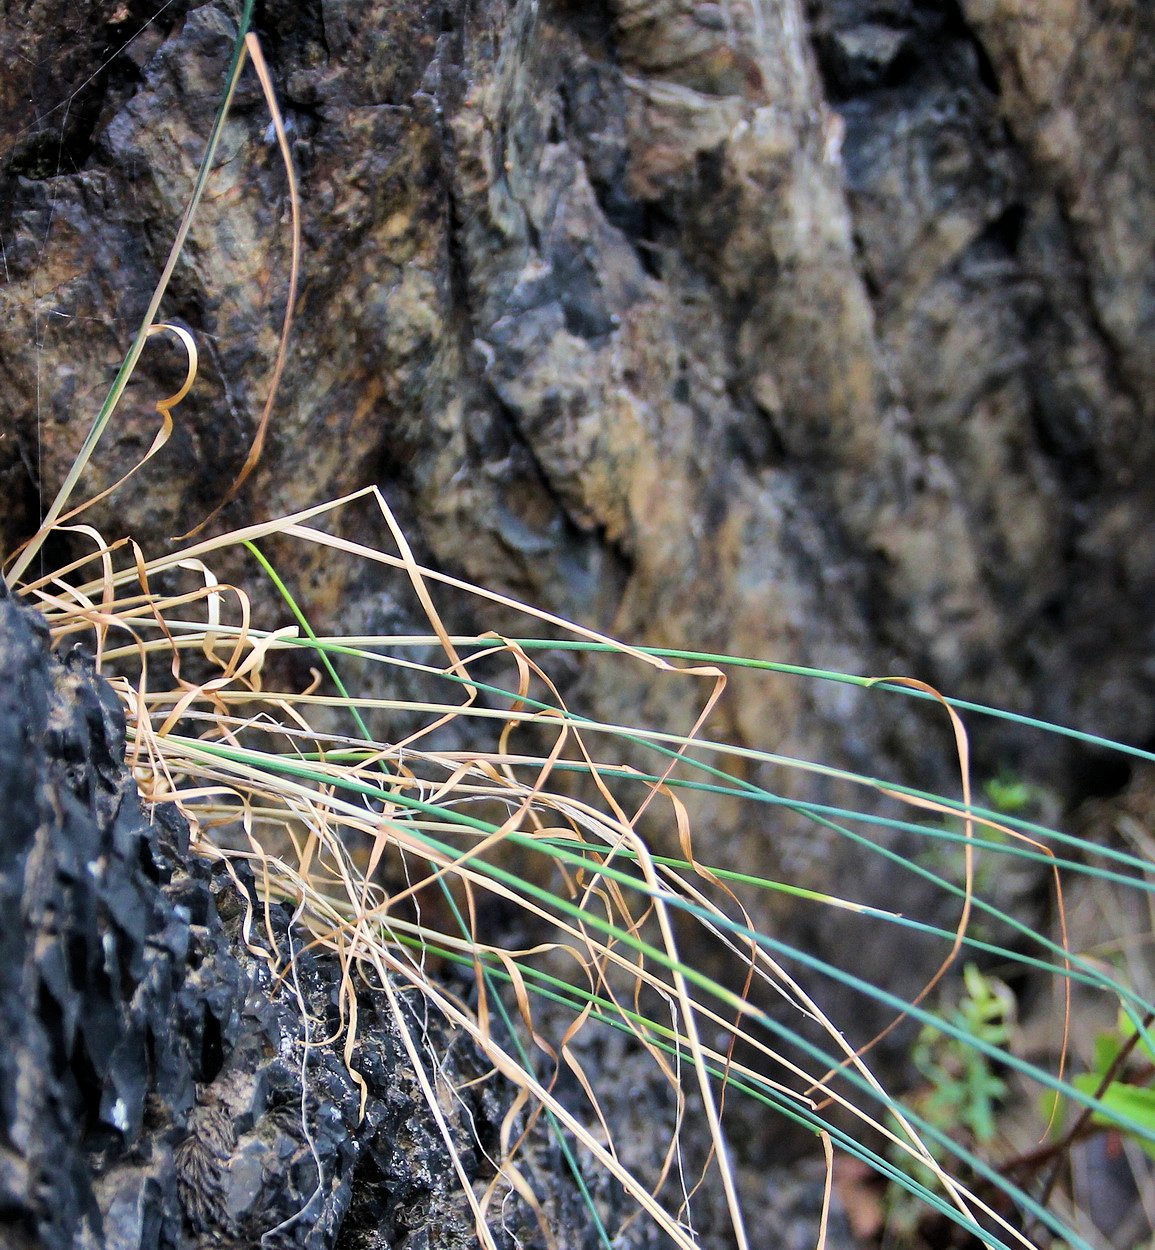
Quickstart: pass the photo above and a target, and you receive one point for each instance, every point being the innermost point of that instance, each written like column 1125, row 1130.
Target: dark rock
column 160, row 1085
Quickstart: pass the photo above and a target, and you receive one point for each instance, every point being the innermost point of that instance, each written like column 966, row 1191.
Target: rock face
column 159, row 1086
column 814, row 331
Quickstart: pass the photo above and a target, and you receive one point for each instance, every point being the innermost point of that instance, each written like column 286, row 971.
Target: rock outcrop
column 816, row 332
column 160, row 1085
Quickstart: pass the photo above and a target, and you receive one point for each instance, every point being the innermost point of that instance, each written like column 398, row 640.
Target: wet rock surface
column 160, row 1084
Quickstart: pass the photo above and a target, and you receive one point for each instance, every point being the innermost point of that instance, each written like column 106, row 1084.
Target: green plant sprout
column 964, row 1090
column 1120, row 1081
column 1010, row 795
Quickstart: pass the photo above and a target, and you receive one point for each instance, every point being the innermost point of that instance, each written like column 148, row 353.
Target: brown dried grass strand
column 256, row 450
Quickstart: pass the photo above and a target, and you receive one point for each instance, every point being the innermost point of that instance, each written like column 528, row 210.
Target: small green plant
column 963, row 1090
column 1120, row 1081
column 1010, row 795
column 963, row 1087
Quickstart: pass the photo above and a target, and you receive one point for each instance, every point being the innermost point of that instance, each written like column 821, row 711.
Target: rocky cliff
column 811, row 331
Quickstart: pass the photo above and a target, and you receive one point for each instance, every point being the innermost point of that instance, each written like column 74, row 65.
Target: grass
column 396, row 850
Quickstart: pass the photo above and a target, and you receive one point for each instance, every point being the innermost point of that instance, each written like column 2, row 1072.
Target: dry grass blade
column 253, row 49
column 310, row 845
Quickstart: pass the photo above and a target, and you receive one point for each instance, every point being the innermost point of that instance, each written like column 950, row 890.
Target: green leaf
column 1135, row 1102
column 1009, row 795
column 1127, row 1030
column 1107, row 1048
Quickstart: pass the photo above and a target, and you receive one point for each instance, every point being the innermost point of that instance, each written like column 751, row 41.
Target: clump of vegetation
column 963, row 1088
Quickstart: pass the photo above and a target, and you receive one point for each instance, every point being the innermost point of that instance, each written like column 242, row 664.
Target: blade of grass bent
column 555, row 1126
column 120, row 382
